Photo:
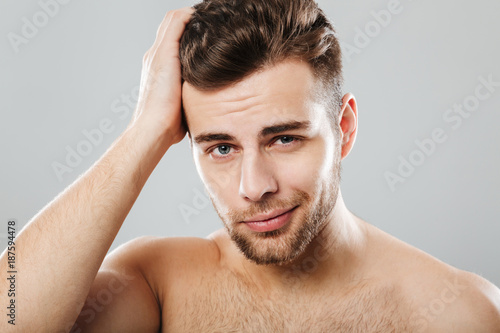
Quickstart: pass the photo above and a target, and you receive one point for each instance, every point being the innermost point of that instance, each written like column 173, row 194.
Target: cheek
column 303, row 171
column 221, row 181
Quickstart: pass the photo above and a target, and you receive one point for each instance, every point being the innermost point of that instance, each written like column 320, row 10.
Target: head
column 263, row 104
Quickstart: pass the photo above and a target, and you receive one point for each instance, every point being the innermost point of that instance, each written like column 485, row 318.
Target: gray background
column 73, row 72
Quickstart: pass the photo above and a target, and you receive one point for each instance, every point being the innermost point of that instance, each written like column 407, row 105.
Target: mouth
column 270, row 221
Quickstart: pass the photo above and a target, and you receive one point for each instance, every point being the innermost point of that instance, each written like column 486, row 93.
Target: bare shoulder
column 441, row 297
column 158, row 255
column 167, row 262
column 128, row 293
column 456, row 301
column 474, row 304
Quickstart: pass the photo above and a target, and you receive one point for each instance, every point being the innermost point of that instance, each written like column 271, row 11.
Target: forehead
column 284, row 92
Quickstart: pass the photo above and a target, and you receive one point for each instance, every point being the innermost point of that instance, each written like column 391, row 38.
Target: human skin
column 142, row 276
column 260, row 169
column 60, row 251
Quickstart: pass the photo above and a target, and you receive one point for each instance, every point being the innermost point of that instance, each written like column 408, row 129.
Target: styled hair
column 228, row 40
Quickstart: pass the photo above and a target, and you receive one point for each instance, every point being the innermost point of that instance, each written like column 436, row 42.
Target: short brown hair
column 227, row 40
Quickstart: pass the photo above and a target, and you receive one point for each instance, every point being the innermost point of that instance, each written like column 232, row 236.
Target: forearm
column 60, row 250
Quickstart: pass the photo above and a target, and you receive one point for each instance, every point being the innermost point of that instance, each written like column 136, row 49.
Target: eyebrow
column 283, row 127
column 273, row 129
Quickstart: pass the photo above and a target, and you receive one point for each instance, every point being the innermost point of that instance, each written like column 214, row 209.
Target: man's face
column 265, row 147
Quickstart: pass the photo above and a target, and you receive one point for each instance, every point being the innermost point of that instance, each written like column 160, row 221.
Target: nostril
column 256, row 191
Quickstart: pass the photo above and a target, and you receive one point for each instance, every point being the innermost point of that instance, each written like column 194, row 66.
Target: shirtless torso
column 267, row 152
column 401, row 289
column 223, row 303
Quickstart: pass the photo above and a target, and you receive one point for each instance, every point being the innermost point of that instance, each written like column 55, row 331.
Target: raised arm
column 60, row 250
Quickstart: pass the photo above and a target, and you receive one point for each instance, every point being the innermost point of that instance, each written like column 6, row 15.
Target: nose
column 257, row 177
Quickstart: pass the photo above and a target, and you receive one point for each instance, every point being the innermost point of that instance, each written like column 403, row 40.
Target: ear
column 348, row 123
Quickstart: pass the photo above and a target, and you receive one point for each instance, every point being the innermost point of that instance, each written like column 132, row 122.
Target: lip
column 268, row 216
column 270, row 221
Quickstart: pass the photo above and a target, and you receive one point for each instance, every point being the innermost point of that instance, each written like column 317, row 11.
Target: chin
column 277, row 247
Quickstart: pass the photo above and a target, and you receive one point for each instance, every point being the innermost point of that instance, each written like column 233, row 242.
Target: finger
column 159, row 31
column 175, row 19
column 159, row 34
column 176, row 25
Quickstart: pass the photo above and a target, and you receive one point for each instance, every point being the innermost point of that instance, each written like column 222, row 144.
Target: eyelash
column 211, row 150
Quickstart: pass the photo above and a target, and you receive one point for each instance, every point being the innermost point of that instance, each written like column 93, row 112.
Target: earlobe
column 348, row 123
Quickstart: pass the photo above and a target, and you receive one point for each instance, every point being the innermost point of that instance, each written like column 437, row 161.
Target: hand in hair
column 159, row 104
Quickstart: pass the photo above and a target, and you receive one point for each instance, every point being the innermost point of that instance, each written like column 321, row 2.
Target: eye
column 286, row 140
column 223, row 149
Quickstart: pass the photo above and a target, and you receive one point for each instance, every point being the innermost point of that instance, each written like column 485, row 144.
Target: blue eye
column 286, row 139
column 223, row 150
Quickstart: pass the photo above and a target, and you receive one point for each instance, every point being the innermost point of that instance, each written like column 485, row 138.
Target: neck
column 333, row 257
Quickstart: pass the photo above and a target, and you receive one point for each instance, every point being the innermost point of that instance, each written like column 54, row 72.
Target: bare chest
column 228, row 305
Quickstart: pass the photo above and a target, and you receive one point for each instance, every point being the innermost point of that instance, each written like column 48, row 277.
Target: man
column 260, row 85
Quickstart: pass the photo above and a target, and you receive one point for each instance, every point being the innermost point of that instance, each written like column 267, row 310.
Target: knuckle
column 170, row 13
column 158, row 31
column 175, row 15
column 178, row 14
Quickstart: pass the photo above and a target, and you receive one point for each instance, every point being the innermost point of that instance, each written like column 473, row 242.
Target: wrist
column 144, row 147
column 150, row 134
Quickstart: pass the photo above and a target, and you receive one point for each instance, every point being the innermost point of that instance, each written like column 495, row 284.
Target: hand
column 159, row 104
